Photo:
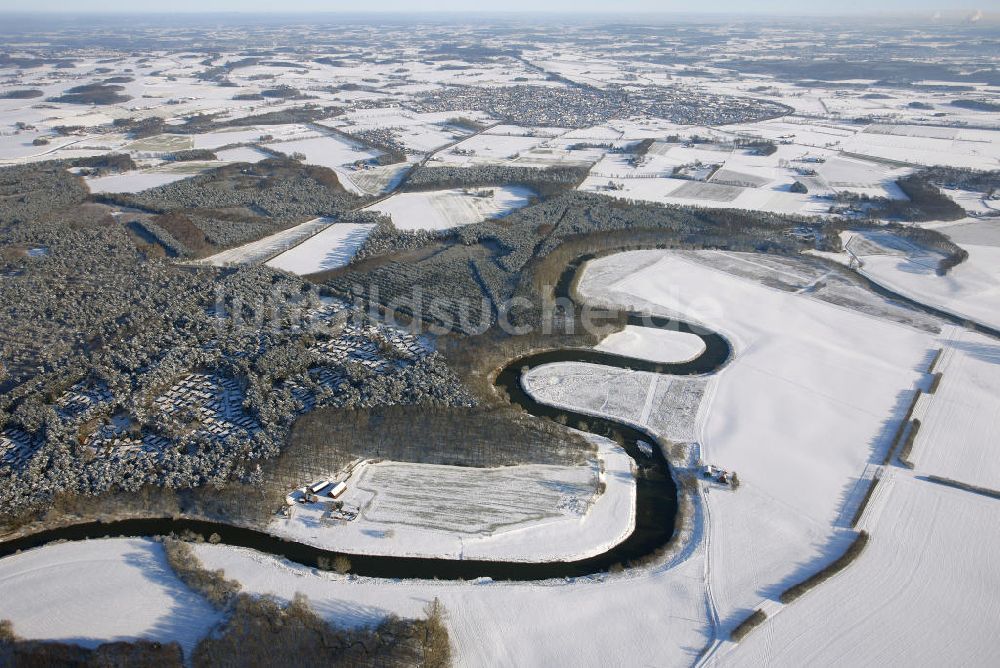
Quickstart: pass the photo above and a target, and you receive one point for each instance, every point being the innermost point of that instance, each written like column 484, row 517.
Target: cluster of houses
column 16, row 447
column 117, row 444
column 350, row 346
column 83, row 399
column 216, row 401
column 321, row 490
column 721, row 476
column 358, row 343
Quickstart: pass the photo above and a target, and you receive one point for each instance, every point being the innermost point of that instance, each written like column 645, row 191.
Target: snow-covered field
column 269, row 246
column 922, row 593
column 375, row 180
column 443, row 209
column 970, row 151
column 133, row 182
column 241, row 154
column 970, row 290
column 289, row 133
column 97, row 591
column 803, row 412
column 653, row 344
column 656, row 619
column 328, row 249
column 960, row 421
column 667, row 405
column 743, row 179
column 809, row 400
column 331, row 151
column 517, row 513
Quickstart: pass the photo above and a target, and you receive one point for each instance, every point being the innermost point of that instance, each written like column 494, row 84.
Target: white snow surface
column 442, row 209
column 268, row 247
column 657, row 345
column 655, row 619
column 961, row 419
column 331, row 248
column 922, row 593
column 808, row 400
column 90, row 592
column 969, row 290
column 133, row 182
column 515, row 513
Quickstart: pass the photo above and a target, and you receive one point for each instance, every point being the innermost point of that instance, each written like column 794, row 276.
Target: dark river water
column 656, row 490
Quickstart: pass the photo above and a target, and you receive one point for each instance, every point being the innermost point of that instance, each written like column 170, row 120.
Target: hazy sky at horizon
column 794, row 7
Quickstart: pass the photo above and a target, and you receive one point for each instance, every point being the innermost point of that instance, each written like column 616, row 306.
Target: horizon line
column 507, row 12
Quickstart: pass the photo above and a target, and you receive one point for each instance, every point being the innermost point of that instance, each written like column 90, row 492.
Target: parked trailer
column 337, row 490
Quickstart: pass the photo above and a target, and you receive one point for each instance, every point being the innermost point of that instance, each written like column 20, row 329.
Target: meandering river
column 656, row 490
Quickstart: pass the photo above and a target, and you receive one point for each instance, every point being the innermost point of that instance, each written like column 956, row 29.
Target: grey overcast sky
column 575, row 6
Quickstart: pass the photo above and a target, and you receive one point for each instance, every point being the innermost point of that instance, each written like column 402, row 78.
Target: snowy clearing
column 133, row 182
column 970, row 290
column 668, row 405
column 443, row 209
column 53, row 593
column 810, row 398
column 330, row 248
column 961, row 419
column 922, row 593
column 658, row 345
column 263, row 249
column 490, row 624
column 327, row 151
column 516, row 513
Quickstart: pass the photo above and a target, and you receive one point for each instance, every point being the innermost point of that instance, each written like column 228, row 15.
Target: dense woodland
column 93, row 314
column 468, row 277
column 95, row 308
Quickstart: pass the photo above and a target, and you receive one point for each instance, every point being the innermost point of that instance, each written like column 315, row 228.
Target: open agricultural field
column 790, row 386
column 393, row 508
column 353, row 307
column 326, row 150
column 269, row 247
column 131, row 182
column 444, row 209
column 970, row 290
column 959, row 419
column 875, row 611
column 50, row 595
column 331, row 247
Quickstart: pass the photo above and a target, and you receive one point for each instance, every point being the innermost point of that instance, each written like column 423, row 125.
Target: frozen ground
column 809, row 400
column 961, row 419
column 376, row 180
column 270, row 246
column 289, row 133
column 132, row 182
column 443, row 209
column 331, row 151
column 655, row 619
column 922, row 592
column 668, row 405
column 970, row 290
column 803, row 410
column 241, row 154
column 97, row 591
column 518, row 513
column 328, row 249
column 653, row 344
